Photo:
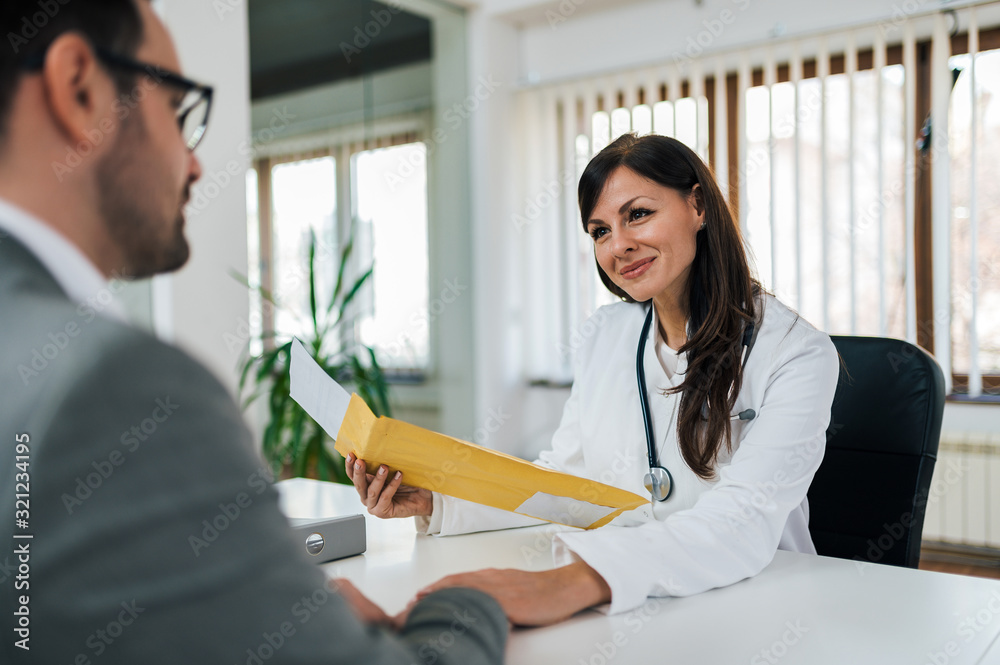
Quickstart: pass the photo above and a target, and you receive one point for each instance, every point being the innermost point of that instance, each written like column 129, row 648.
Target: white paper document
column 322, row 398
column 563, row 509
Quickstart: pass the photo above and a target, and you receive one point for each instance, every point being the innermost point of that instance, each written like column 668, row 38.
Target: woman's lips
column 636, row 269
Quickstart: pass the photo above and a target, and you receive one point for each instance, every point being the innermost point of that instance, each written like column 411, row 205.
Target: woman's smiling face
column 645, row 234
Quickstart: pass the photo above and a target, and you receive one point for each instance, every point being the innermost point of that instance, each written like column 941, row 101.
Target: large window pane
column 986, row 276
column 390, row 185
column 304, row 199
column 253, row 263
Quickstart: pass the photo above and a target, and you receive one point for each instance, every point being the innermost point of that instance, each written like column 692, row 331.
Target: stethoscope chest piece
column 659, row 483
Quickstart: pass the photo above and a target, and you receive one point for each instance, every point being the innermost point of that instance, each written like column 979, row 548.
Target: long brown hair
column 721, row 289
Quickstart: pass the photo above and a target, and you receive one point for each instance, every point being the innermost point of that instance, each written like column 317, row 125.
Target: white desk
column 800, row 610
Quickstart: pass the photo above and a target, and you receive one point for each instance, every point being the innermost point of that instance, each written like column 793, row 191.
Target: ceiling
column 296, row 44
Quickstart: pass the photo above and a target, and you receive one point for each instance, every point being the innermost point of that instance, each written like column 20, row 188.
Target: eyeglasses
column 194, row 109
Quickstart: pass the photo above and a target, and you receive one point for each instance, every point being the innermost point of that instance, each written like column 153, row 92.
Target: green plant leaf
column 270, row 359
column 292, row 441
column 245, row 281
column 379, row 382
column 354, row 291
column 323, row 467
column 298, row 445
column 312, row 281
column 253, row 397
column 345, row 256
column 241, row 278
column 335, row 462
column 247, row 366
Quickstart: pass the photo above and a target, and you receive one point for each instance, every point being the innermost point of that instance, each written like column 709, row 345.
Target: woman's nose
column 622, row 241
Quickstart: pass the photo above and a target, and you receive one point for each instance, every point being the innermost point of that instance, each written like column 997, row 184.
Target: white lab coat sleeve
column 733, row 530
column 451, row 516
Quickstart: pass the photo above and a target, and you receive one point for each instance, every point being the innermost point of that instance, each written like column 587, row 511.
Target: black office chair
column 868, row 498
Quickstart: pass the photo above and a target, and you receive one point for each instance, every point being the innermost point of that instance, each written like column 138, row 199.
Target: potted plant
column 294, row 444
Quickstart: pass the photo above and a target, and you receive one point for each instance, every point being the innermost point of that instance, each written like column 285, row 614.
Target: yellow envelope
column 466, row 471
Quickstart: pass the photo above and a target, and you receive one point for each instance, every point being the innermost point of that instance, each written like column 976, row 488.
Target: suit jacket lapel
column 20, row 270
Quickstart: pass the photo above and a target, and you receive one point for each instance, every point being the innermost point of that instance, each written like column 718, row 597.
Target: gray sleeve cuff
column 458, row 625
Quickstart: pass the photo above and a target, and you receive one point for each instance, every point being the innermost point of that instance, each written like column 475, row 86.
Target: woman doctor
column 738, row 389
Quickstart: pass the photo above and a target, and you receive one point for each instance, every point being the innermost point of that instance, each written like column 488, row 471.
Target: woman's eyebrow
column 621, row 211
column 627, row 204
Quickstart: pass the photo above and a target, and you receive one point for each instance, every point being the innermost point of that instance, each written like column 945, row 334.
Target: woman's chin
column 638, row 293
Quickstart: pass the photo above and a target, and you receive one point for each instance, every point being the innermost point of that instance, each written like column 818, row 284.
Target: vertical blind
column 825, row 165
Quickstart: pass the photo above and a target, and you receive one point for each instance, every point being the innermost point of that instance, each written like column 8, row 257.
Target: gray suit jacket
column 135, row 449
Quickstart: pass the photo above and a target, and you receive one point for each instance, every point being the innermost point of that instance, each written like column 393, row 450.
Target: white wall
column 201, row 304
column 499, row 380
column 398, row 91
column 571, row 40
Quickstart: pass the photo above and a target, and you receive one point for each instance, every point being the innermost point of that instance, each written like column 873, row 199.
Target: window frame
column 989, row 39
column 343, row 153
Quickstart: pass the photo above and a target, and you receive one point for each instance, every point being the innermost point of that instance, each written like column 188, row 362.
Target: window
column 379, row 195
column 392, row 214
column 830, row 173
column 842, row 213
column 304, row 202
column 975, row 223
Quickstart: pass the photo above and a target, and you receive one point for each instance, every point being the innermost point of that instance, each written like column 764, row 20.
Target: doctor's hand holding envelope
column 380, row 451
column 387, row 497
column 706, row 439
column 484, row 476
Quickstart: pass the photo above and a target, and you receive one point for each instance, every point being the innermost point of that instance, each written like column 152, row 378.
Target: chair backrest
column 868, row 498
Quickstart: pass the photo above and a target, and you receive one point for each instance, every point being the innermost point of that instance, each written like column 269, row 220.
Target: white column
column 975, row 372
column 721, row 146
column 822, row 72
column 562, row 189
column 879, row 57
column 492, row 371
column 910, row 175
column 202, row 308
column 850, row 69
column 770, row 80
column 795, row 76
column 744, row 81
column 941, row 83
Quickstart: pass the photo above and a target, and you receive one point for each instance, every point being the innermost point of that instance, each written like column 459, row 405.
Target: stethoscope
column 659, row 483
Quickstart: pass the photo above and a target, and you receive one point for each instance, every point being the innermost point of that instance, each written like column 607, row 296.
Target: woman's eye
column 638, row 213
column 598, row 232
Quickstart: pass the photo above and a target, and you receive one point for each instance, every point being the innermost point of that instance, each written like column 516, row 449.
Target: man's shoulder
column 54, row 349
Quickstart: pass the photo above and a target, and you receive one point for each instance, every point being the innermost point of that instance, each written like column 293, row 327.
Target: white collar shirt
column 76, row 275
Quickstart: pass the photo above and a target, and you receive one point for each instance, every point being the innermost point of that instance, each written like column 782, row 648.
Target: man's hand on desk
column 535, row 598
column 364, row 608
column 387, row 499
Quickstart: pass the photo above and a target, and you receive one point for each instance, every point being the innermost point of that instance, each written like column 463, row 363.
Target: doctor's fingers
column 349, row 463
column 361, row 479
column 376, row 484
column 384, row 505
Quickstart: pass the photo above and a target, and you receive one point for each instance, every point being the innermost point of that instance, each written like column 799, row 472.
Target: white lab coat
column 708, row 534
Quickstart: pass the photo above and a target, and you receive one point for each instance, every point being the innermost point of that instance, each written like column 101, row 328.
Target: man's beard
column 134, row 220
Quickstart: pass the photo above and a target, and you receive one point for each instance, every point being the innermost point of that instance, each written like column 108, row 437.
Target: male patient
column 115, row 449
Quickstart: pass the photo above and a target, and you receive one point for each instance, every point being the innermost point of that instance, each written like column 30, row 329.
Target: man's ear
column 79, row 94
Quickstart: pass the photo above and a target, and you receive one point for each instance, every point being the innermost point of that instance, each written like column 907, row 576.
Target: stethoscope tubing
column 647, row 421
